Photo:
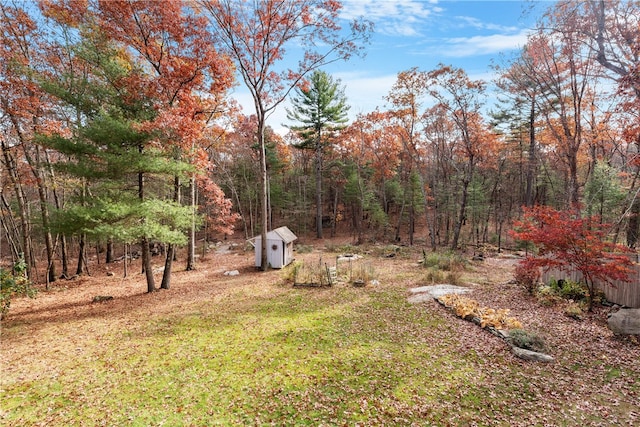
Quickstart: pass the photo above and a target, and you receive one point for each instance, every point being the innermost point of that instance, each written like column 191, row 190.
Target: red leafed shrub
column 567, row 241
column 527, row 275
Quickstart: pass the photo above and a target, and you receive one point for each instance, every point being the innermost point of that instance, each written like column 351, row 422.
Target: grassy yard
column 252, row 350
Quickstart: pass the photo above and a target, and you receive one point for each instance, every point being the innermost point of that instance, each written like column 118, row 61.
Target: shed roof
column 281, row 233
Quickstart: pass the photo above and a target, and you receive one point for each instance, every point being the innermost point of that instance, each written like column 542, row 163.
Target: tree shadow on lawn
column 69, row 301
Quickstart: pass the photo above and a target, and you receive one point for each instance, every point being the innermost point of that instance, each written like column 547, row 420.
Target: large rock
column 531, row 355
column 625, row 321
column 436, row 291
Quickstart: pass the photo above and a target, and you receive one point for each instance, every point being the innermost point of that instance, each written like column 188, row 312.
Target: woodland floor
column 252, row 350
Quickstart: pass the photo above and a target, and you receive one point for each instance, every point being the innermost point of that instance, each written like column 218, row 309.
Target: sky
column 469, row 34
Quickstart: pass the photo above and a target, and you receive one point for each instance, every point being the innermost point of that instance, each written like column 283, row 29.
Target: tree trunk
column 634, row 223
column 191, row 250
column 264, row 193
column 25, row 225
column 318, row 190
column 109, row 254
column 144, row 242
column 11, row 229
column 81, row 255
column 531, row 164
column 125, row 271
column 146, row 265
column 48, row 238
column 334, row 222
column 170, row 254
column 166, row 275
column 461, row 215
column 412, row 222
column 59, row 205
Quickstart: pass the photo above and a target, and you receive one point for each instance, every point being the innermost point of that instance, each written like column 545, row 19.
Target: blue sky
column 424, row 33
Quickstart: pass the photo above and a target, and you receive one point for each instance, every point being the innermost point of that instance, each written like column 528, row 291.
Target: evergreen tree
column 321, row 109
column 125, row 174
column 604, row 193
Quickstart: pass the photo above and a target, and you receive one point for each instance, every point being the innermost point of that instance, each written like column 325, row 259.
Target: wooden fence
column 622, row 293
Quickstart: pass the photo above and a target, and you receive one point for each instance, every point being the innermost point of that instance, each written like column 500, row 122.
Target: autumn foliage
column 567, row 241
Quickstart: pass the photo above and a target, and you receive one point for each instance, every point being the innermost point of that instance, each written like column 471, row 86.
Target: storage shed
column 279, row 247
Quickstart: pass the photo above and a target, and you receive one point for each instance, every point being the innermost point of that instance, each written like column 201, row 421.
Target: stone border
column 504, row 334
column 426, row 293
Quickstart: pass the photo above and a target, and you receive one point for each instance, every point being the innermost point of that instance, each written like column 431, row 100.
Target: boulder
column 531, row 355
column 232, row 273
column 428, row 293
column 625, row 321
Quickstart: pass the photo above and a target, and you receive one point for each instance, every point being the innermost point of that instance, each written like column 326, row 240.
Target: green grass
column 297, row 358
column 287, row 357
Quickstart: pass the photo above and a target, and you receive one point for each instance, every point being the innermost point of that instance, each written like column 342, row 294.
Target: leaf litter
column 377, row 361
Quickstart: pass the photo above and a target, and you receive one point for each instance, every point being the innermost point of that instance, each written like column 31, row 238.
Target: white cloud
column 365, row 93
column 482, row 45
column 468, row 21
column 395, row 18
column 460, row 47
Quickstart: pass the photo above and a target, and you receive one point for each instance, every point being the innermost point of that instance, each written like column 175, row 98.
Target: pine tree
column 321, row 109
column 123, row 173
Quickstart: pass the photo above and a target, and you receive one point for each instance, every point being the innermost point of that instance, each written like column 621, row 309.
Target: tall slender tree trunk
column 463, row 210
column 11, row 229
column 264, row 194
column 81, row 255
column 318, row 189
column 23, row 210
column 109, row 252
column 48, row 238
column 191, row 249
column 144, row 242
column 334, row 222
column 531, row 164
column 146, row 265
column 168, row 263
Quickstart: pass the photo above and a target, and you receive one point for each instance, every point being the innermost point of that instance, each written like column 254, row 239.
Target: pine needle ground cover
column 253, row 350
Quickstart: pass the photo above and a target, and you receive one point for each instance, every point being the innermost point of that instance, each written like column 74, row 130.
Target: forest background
column 120, row 133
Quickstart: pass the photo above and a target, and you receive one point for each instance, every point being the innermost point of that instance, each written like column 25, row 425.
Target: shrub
column 527, row 340
column 547, row 296
column 566, row 240
column 434, row 276
column 568, row 289
column 341, row 249
column 527, row 275
column 304, row 249
column 14, row 283
column 574, row 310
column 447, row 261
column 454, row 278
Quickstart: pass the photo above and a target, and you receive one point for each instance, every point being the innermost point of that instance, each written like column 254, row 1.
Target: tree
column 461, row 97
column 609, row 32
column 322, row 108
column 516, row 82
column 371, row 149
column 114, row 157
column 257, row 33
column 406, row 98
column 26, row 109
column 603, row 193
column 152, row 64
column 567, row 241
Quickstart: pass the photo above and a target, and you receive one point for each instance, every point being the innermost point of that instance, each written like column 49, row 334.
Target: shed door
column 275, row 253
